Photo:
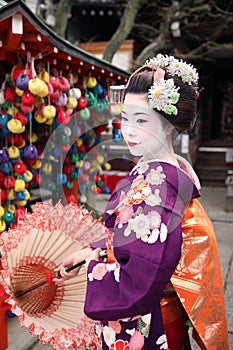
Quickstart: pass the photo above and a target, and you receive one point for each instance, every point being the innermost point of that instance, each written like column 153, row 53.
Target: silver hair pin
column 117, row 94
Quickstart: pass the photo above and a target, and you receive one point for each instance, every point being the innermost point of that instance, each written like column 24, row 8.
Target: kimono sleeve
column 147, row 247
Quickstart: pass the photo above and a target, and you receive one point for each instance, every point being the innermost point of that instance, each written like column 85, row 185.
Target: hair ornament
column 163, row 95
column 185, row 71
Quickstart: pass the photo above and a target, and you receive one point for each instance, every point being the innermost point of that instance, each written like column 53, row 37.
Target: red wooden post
column 3, row 328
column 3, row 317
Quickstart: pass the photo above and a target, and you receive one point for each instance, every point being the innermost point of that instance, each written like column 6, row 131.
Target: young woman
column 133, row 297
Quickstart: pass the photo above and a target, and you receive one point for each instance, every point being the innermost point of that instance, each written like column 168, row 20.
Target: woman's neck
column 165, row 154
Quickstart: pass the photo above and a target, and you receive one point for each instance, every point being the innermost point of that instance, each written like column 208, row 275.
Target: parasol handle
column 56, row 274
column 73, row 267
column 102, row 254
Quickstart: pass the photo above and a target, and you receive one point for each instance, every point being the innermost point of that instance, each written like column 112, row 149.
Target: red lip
column 132, row 144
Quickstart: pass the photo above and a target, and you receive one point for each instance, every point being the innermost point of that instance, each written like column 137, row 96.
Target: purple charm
column 22, row 81
column 62, row 99
column 4, row 155
column 102, row 94
column 30, row 152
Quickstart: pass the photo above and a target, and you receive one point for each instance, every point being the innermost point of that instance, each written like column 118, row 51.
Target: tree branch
column 124, row 28
column 149, row 51
column 62, row 15
column 203, row 50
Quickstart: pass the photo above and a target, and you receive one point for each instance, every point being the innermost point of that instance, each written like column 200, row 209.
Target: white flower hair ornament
column 185, row 71
column 163, row 94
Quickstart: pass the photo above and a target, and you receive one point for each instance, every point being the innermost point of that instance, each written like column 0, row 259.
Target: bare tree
column 189, row 29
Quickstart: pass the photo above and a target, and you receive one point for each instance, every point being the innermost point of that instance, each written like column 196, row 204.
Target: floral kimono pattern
column 144, row 213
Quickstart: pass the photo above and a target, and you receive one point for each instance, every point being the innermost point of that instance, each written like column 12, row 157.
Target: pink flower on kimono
column 155, row 219
column 99, row 271
column 136, row 341
column 109, row 336
column 115, row 325
column 156, row 177
column 120, row 345
column 124, row 216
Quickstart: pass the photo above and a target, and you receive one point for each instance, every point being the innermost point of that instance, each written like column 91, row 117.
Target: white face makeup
column 143, row 130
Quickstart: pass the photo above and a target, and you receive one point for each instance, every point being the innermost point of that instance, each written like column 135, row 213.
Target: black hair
column 141, row 81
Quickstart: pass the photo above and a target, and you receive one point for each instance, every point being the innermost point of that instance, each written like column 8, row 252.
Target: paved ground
column 214, row 201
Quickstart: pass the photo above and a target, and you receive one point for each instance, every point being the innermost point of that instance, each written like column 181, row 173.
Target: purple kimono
column 145, row 213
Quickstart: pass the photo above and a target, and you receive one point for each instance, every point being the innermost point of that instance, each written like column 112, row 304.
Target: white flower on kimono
column 163, row 233
column 146, row 319
column 115, row 267
column 155, row 219
column 155, row 176
column 90, row 277
column 162, row 341
column 142, row 168
column 153, row 236
column 144, row 237
column 117, row 274
column 146, row 191
column 156, row 233
column 128, row 228
column 111, row 267
column 130, row 331
column 153, row 199
column 137, row 196
column 141, row 225
column 109, row 335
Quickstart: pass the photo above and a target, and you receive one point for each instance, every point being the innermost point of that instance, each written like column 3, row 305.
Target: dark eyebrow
column 136, row 114
column 141, row 113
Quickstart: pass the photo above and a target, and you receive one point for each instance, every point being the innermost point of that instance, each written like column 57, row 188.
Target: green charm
column 8, row 216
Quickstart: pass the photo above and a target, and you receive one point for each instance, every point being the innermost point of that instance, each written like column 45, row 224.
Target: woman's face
column 142, row 128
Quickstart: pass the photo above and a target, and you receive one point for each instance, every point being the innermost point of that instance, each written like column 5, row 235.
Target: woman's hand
column 95, row 255
column 71, row 260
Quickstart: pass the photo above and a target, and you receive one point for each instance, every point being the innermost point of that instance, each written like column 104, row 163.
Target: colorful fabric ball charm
column 30, row 152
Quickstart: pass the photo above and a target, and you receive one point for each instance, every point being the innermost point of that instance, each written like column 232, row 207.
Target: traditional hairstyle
column 170, row 86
